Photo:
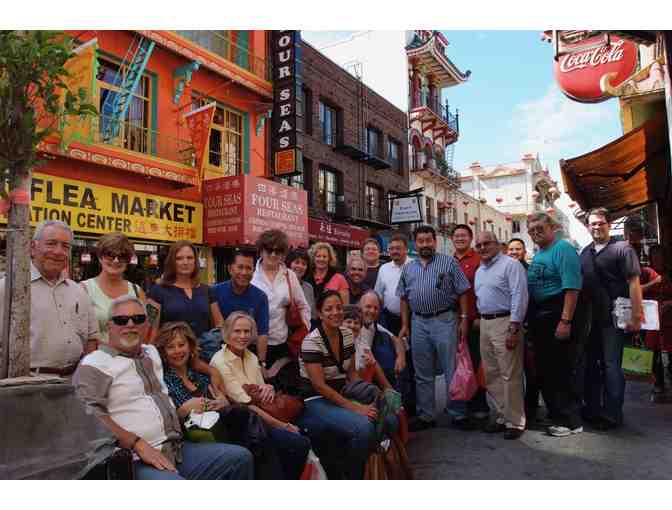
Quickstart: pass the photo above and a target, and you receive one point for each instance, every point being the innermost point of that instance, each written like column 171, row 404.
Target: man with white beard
column 122, row 385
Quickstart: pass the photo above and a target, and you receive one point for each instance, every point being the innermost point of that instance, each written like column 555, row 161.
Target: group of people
column 145, row 364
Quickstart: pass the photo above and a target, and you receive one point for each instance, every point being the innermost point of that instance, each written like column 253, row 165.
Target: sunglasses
column 122, row 320
column 121, row 257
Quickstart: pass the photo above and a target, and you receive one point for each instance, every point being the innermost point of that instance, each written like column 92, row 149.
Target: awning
column 624, row 174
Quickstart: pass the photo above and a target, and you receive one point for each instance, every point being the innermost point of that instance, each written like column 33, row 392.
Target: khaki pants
column 503, row 372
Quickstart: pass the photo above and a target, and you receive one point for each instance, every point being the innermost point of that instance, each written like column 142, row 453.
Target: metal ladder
column 116, row 104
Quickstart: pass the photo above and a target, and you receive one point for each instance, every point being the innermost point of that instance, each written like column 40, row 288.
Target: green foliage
column 33, row 95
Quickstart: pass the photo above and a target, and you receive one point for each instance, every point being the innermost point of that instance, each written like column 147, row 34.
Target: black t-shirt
column 606, row 274
column 371, row 277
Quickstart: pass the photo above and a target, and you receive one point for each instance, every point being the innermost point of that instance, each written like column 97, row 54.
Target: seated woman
column 330, row 419
column 239, row 367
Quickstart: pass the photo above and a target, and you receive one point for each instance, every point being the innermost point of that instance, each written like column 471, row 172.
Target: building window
column 328, row 189
column 515, row 226
column 233, row 45
column 295, row 181
column 393, row 155
column 466, row 218
column 329, row 123
column 225, row 144
column 373, row 138
column 374, row 201
column 307, row 103
column 134, row 133
column 429, row 211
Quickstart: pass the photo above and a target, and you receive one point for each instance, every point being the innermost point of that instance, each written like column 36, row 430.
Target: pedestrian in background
column 502, row 298
column 611, row 270
column 114, row 252
column 554, row 282
column 469, row 261
column 432, row 288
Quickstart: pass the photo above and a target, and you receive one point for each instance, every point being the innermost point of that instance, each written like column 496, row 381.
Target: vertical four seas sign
column 287, row 106
column 238, row 209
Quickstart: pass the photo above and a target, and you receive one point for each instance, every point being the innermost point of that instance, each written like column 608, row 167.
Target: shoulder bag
column 297, row 329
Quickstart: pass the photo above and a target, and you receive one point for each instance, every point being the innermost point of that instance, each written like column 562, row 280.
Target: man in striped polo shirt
column 433, row 288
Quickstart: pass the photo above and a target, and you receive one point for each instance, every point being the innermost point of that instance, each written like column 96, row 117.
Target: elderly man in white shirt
column 502, row 298
column 281, row 286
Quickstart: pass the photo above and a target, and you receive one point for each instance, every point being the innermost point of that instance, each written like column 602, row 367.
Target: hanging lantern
column 519, row 197
column 483, row 201
column 465, row 202
column 472, row 222
column 508, row 217
column 572, row 205
column 550, row 210
column 536, row 194
column 499, row 200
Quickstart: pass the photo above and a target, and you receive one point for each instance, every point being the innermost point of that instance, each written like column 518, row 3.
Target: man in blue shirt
column 238, row 294
column 432, row 287
column 554, row 282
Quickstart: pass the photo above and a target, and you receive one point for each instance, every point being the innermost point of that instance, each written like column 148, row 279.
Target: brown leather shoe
column 512, row 433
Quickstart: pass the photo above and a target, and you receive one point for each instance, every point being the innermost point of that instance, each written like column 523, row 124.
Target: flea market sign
column 100, row 209
column 579, row 70
column 287, row 107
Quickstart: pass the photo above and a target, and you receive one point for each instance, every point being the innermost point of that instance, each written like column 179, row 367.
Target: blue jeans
column 204, row 461
column 434, row 340
column 348, row 435
column 292, row 451
column 604, row 379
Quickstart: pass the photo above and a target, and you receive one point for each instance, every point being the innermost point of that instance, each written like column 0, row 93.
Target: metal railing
column 369, row 211
column 221, row 44
column 137, row 138
column 422, row 98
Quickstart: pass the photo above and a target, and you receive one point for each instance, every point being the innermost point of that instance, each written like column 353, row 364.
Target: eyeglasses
column 122, row 320
column 478, row 246
column 121, row 257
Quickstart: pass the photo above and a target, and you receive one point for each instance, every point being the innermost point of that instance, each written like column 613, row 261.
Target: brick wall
column 327, row 81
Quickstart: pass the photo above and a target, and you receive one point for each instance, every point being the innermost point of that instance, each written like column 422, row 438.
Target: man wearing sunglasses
column 122, row 384
column 62, row 320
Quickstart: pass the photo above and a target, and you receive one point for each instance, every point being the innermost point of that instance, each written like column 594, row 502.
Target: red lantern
column 572, row 205
column 499, row 200
column 472, row 222
column 508, row 217
column 519, row 197
column 550, row 210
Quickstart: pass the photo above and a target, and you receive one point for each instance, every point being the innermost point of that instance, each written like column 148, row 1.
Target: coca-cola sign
column 578, row 72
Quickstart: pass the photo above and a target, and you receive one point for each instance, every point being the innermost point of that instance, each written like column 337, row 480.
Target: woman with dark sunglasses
column 114, row 253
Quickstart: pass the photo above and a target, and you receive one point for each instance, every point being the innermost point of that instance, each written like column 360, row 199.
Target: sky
column 512, row 105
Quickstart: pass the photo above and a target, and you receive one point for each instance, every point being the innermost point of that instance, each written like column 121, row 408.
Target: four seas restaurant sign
column 579, row 71
column 238, row 209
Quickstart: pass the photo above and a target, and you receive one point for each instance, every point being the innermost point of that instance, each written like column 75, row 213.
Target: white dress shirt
column 386, row 285
column 278, row 301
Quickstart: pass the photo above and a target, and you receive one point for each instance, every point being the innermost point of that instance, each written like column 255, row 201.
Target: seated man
column 387, row 349
column 122, row 384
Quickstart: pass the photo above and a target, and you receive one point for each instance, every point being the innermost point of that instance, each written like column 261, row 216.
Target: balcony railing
column 369, row 213
column 419, row 161
column 221, row 44
column 422, row 99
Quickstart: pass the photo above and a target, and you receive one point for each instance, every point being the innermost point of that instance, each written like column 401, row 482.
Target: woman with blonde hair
column 242, row 373
column 114, row 252
column 325, row 276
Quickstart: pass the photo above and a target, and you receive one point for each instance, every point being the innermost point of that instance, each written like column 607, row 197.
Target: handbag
column 637, row 362
column 297, row 329
column 464, row 384
column 284, row 407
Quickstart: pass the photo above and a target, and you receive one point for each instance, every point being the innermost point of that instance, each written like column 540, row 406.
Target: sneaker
column 560, row 431
column 417, row 425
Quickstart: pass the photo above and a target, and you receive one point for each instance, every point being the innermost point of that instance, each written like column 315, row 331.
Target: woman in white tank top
column 114, row 252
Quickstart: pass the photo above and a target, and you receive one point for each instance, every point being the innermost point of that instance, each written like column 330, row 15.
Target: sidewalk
column 642, row 449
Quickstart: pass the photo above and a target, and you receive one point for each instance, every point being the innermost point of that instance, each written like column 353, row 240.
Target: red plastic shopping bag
column 464, row 384
column 313, row 470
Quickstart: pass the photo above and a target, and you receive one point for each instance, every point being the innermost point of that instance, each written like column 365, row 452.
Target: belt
column 63, row 372
column 490, row 316
column 434, row 314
